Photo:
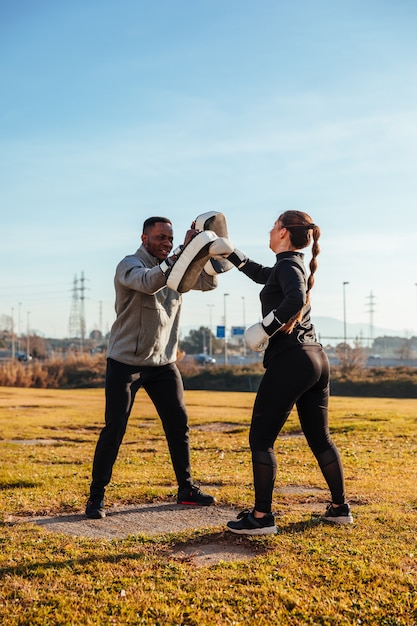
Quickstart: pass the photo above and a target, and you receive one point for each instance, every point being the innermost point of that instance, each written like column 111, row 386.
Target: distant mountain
column 331, row 329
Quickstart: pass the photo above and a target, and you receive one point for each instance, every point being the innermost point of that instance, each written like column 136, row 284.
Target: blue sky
column 115, row 111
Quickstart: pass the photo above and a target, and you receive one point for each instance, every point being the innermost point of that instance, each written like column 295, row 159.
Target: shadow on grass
column 151, row 519
column 301, row 527
column 38, row 567
column 119, row 510
column 254, row 546
column 217, row 544
column 18, row 484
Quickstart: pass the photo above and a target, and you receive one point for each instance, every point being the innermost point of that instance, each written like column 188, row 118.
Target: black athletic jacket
column 285, row 292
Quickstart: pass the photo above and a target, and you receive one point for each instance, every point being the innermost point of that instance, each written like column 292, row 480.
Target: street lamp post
column 416, row 295
column 210, row 306
column 225, row 330
column 27, row 335
column 344, row 314
column 244, row 325
column 13, row 341
column 19, row 331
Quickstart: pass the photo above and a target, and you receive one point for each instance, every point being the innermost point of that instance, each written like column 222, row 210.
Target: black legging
column 298, row 376
column 165, row 388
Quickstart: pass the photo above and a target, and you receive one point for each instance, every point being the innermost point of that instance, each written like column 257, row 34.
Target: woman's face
column 275, row 236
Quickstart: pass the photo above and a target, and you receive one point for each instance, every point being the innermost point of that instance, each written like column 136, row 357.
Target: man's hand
column 190, row 234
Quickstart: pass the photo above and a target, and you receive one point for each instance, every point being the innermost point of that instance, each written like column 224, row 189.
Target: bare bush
column 352, row 360
column 81, row 370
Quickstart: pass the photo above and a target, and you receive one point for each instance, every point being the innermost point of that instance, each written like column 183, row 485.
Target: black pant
column 165, row 388
column 298, row 376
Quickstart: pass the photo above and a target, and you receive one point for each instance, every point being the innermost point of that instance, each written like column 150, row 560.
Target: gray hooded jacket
column 145, row 332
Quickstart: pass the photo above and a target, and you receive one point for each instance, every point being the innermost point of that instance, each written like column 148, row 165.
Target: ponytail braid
column 302, row 230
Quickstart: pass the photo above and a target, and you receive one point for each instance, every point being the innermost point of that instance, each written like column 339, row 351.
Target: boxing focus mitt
column 190, row 262
column 216, row 222
column 257, row 336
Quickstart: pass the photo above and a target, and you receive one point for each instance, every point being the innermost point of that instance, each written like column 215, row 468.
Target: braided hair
column 302, row 233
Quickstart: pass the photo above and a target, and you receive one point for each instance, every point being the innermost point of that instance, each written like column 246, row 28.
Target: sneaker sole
column 339, row 520
column 97, row 515
column 268, row 530
column 195, row 503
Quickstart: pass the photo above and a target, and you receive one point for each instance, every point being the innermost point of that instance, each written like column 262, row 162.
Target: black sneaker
column 247, row 524
column 194, row 496
column 95, row 508
column 338, row 514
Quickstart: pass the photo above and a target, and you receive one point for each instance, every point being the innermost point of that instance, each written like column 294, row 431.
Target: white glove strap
column 237, row 258
column 177, row 251
column 271, row 323
column 165, row 267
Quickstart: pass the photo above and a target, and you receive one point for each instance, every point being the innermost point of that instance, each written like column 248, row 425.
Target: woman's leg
column 312, row 409
column 274, row 401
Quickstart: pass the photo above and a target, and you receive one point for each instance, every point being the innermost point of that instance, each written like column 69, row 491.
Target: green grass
column 309, row 573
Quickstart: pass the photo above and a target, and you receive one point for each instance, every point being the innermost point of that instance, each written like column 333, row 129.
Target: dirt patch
column 302, row 490
column 36, row 442
column 152, row 520
column 217, row 427
column 143, row 519
column 213, row 553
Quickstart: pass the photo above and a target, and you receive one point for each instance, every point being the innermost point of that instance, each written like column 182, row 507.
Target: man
column 142, row 353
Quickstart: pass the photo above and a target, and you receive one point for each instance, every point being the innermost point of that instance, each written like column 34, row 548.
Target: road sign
column 238, row 331
column 220, row 332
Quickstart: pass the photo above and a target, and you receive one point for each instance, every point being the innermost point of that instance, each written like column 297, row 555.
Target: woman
column 297, row 371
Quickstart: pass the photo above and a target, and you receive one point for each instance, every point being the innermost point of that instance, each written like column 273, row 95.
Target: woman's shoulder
column 290, row 260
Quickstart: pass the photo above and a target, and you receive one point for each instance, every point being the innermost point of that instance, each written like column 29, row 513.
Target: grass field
column 309, row 573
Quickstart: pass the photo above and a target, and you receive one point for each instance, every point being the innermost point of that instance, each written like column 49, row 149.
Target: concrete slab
column 139, row 519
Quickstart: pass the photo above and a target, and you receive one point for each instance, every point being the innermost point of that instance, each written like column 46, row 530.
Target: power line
column 371, row 311
column 73, row 326
column 77, row 324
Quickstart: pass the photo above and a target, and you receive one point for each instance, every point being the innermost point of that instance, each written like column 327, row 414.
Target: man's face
column 158, row 240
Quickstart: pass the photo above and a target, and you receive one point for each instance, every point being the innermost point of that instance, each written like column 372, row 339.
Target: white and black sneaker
column 247, row 524
column 338, row 514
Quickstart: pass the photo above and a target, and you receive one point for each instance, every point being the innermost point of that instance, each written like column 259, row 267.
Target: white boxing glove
column 257, row 336
column 221, row 248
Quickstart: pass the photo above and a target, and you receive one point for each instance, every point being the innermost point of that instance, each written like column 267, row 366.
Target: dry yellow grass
column 309, row 573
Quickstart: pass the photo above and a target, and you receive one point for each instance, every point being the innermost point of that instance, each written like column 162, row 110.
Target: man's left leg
column 165, row 388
